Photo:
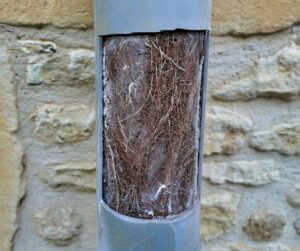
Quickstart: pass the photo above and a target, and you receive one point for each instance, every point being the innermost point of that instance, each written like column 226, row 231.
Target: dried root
column 152, row 95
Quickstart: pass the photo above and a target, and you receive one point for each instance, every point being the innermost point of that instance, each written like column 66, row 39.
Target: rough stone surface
column 276, row 76
column 230, row 59
column 11, row 155
column 9, row 112
column 76, row 67
column 265, row 226
column 225, row 131
column 283, row 138
column 34, row 47
column 48, row 64
column 297, row 226
column 72, row 13
column 270, row 247
column 82, row 65
column 293, row 197
column 64, row 123
column 252, row 16
column 38, row 53
column 229, row 17
column 58, row 224
column 219, row 211
column 52, row 112
column 252, row 173
column 80, row 176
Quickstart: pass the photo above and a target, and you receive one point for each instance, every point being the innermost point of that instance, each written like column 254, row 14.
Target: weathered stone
column 11, row 155
column 58, row 224
column 252, row 173
column 80, row 176
column 217, row 249
column 9, row 111
column 275, row 77
column 52, row 71
column 33, row 47
column 238, row 247
column 225, row 131
column 283, row 138
column 33, row 73
column 297, row 226
column 293, row 197
column 252, row 16
column 71, row 13
column 218, row 214
column 243, row 247
column 265, row 226
column 272, row 247
column 82, row 65
column 229, row 17
column 45, row 66
column 76, row 67
column 38, row 53
column 64, row 123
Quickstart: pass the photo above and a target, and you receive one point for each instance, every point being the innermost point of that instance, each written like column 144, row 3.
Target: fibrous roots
column 152, row 86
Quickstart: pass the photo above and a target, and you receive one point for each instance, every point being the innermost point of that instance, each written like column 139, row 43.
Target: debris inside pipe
column 152, row 121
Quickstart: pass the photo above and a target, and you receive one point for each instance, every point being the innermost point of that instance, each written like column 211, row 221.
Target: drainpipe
column 151, row 60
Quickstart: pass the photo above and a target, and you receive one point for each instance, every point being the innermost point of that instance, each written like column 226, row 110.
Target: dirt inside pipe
column 152, row 90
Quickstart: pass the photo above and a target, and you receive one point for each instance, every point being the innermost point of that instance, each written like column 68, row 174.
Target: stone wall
column 251, row 176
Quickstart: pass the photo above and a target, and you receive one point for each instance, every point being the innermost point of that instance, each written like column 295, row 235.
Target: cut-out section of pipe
column 152, row 87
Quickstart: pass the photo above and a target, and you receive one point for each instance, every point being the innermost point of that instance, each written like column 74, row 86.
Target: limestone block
column 64, row 123
column 71, row 13
column 293, row 196
column 225, row 131
column 253, row 16
column 265, row 226
column 48, row 64
column 252, row 173
column 80, row 176
column 219, row 212
column 283, row 138
column 277, row 76
column 58, row 224
column 11, row 155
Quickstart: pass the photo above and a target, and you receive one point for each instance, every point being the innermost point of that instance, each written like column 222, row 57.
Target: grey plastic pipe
column 117, row 232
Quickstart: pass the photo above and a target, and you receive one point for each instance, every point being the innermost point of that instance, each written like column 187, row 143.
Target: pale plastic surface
column 145, row 16
column 122, row 233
